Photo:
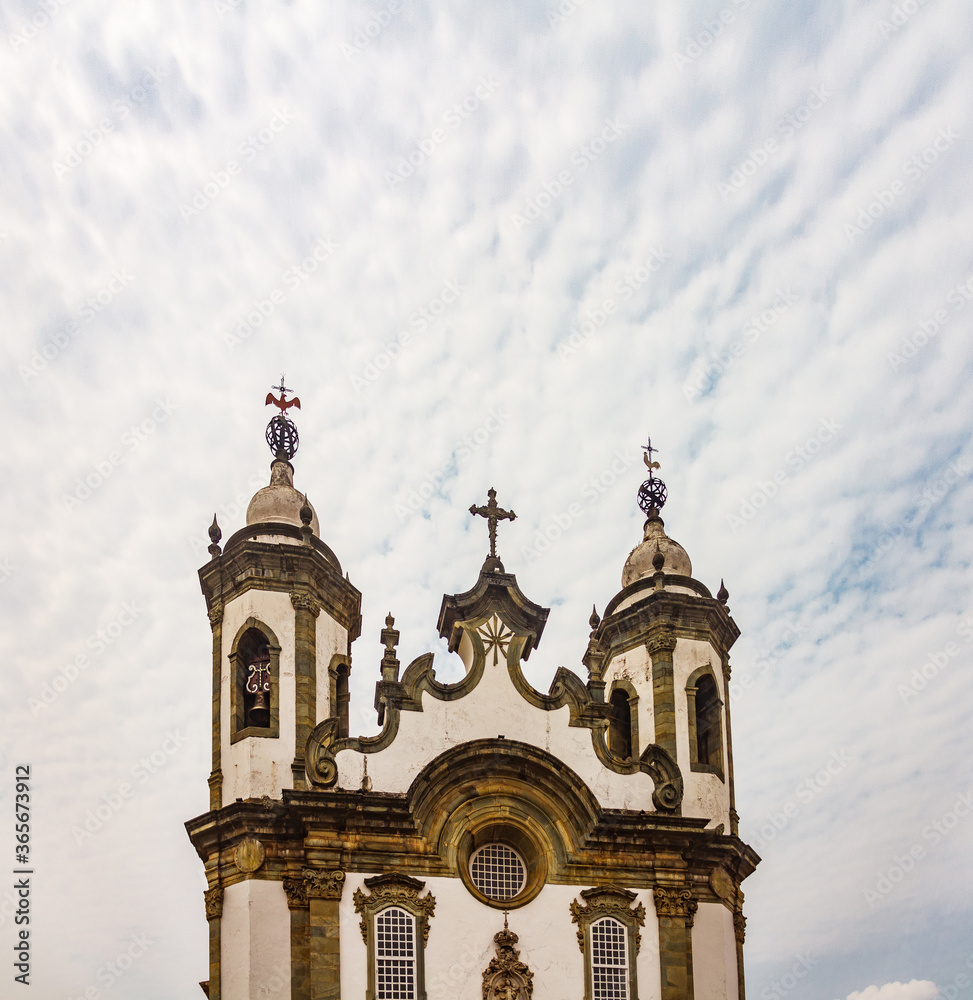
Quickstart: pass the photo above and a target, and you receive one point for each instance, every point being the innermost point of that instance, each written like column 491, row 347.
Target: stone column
column 324, row 896
column 306, row 610
column 660, row 648
column 214, row 916
column 297, row 904
column 734, row 816
column 216, row 775
column 739, row 929
column 676, row 908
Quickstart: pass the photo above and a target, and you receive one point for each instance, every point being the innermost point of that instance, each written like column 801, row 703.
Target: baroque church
column 491, row 840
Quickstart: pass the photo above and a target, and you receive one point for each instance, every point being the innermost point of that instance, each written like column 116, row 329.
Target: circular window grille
column 497, row 871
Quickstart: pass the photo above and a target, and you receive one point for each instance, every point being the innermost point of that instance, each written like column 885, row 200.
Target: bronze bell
column 258, row 684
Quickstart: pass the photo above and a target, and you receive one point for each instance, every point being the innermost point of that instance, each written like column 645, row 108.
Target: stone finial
column 722, row 595
column 594, row 621
column 390, row 662
column 215, row 534
column 659, row 559
column 306, row 513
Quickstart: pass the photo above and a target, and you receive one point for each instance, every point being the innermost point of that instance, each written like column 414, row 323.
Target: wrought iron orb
column 652, row 495
column 282, row 437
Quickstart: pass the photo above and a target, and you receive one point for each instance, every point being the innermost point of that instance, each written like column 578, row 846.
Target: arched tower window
column 705, row 723
column 620, row 724
column 254, row 667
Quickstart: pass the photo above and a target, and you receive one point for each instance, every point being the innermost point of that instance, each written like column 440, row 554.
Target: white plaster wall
column 705, row 794
column 493, row 708
column 329, row 638
column 714, row 953
column 461, row 943
column 255, row 941
column 258, row 766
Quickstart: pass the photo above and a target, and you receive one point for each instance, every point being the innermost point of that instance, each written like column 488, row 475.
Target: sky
column 495, row 245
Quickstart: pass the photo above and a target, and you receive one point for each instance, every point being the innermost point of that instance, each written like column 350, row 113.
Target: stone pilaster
column 676, row 908
column 216, row 775
column 297, row 904
column 739, row 929
column 324, row 896
column 661, row 648
column 214, row 917
column 306, row 610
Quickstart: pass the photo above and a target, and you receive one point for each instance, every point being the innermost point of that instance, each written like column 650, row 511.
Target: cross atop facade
column 493, row 512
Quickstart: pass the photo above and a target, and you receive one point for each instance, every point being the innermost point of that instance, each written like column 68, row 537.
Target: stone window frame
column 624, row 684
column 715, row 767
column 386, row 892
column 615, row 902
column 239, row 731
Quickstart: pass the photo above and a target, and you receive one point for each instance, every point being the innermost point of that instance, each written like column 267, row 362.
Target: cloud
column 917, row 989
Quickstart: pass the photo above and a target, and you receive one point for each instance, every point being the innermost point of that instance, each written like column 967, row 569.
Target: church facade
column 491, row 840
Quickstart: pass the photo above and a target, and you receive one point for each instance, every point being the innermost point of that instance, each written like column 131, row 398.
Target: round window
column 498, row 871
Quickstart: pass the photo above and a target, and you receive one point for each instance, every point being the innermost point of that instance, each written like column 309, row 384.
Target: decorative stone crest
column 215, row 614
column 608, row 901
column 496, row 638
column 506, row 977
column 739, row 926
column 665, row 642
column 214, row 902
column 394, row 889
column 304, row 602
column 676, row 902
column 323, row 885
column 296, row 893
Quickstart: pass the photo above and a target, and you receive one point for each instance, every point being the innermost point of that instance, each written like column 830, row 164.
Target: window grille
column 395, row 959
column 497, row 871
column 609, row 960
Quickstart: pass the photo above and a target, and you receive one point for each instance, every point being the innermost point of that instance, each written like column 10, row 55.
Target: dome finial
column 652, row 493
column 281, row 431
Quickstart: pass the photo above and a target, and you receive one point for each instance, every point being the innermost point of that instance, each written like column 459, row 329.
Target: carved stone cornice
column 739, row 926
column 676, row 902
column 215, row 614
column 506, row 977
column 323, row 885
column 664, row 642
column 304, row 602
column 608, row 901
column 296, row 892
column 394, row 889
column 213, row 899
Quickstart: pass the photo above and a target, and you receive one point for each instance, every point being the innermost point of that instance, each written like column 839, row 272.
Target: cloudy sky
column 496, row 245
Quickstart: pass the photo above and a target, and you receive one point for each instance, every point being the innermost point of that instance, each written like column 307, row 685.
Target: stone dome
column 639, row 563
column 280, row 501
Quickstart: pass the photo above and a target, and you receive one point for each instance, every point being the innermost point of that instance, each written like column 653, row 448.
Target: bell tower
column 283, row 618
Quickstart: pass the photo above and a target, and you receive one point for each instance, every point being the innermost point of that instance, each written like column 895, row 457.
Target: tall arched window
column 254, row 673
column 705, row 723
column 395, row 955
column 609, row 960
column 609, row 936
column 620, row 724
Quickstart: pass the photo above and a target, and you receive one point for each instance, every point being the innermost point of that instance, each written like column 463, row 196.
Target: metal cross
column 493, row 512
column 649, row 451
column 282, row 389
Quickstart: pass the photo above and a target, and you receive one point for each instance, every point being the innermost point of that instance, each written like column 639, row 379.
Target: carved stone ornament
column 663, row 643
column 608, row 901
column 506, row 977
column 676, row 903
column 214, row 902
column 296, row 893
column 721, row 883
column 740, row 926
column 323, row 885
column 666, row 776
column 215, row 614
column 249, row 855
column 304, row 602
column 394, row 890
column 319, row 762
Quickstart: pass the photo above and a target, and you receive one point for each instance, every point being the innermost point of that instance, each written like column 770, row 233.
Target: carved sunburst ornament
column 496, row 637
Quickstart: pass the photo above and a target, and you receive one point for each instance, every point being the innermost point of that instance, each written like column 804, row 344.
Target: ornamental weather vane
column 493, row 512
column 281, row 431
column 652, row 493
